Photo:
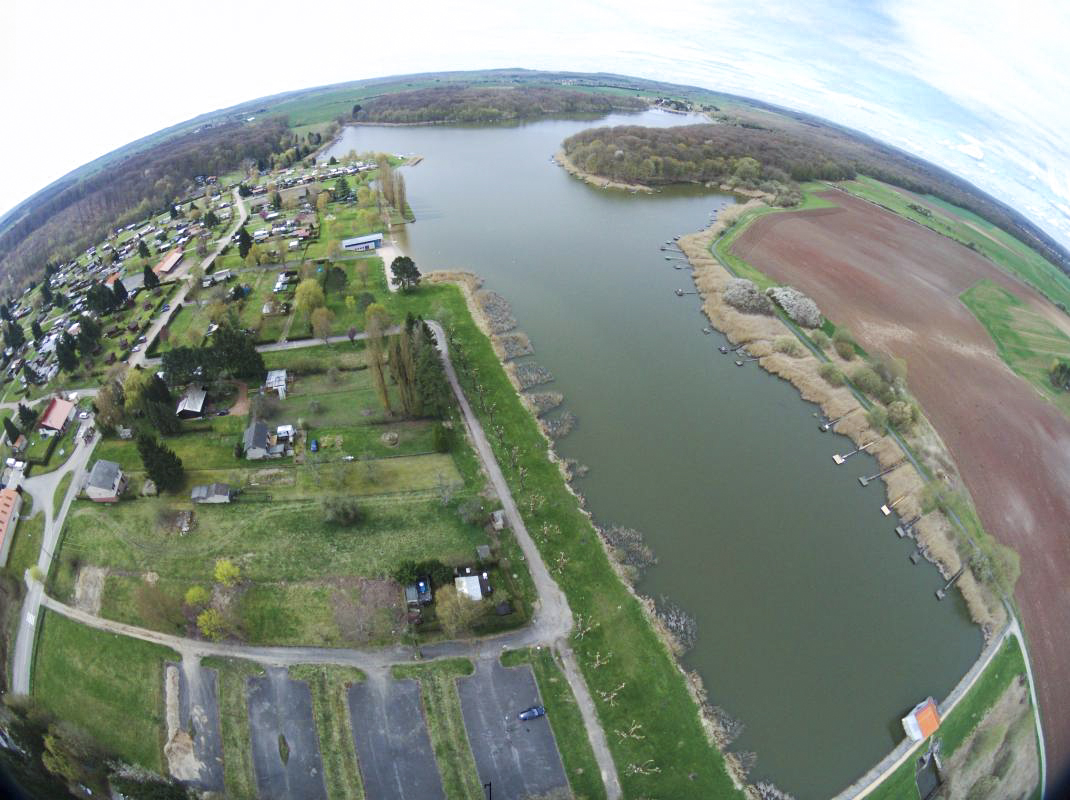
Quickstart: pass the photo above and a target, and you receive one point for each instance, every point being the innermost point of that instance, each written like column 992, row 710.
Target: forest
column 495, row 104
column 73, row 215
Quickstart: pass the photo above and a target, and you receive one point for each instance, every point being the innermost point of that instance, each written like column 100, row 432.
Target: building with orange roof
column 169, row 262
column 55, row 417
column 922, row 721
column 10, row 504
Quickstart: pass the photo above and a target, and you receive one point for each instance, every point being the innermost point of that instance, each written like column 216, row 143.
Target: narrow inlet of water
column 814, row 627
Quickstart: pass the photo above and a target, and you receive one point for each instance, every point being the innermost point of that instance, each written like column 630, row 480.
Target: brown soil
column 241, row 402
column 896, row 286
column 88, row 588
column 368, row 611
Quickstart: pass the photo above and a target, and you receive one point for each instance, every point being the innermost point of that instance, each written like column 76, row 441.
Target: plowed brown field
column 896, row 284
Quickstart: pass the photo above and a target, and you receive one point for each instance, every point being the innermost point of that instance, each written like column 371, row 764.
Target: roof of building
column 210, row 490
column 371, row 237
column 193, row 400
column 256, row 436
column 468, row 585
column 275, row 379
column 104, row 474
column 56, row 414
column 923, row 720
column 8, row 498
column 169, row 261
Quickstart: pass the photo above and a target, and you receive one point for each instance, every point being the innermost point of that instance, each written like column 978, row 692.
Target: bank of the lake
column 813, row 626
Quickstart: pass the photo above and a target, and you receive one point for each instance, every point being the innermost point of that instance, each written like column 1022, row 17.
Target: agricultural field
column 1028, row 341
column 897, row 286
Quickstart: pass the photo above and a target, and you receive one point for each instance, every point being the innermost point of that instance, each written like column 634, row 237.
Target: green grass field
column 999, row 247
column 238, row 776
column 109, row 685
column 27, row 543
column 1026, row 341
column 445, row 725
column 565, row 720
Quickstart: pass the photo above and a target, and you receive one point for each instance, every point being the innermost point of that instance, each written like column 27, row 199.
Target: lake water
column 814, row 627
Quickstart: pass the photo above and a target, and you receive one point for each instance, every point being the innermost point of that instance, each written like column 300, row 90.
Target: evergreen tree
column 46, row 292
column 152, row 280
column 406, row 275
column 5, row 313
column 14, row 336
column 11, row 431
column 164, row 468
column 121, row 294
column 157, row 391
column 210, row 219
column 99, row 298
column 65, row 355
column 35, row 329
column 161, row 417
column 142, row 248
column 245, row 241
column 27, row 416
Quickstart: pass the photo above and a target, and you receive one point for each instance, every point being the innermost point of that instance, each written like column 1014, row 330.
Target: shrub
column 866, row 380
column 744, row 296
column 844, row 344
column 440, row 439
column 820, row 339
column 800, row 309
column 211, row 624
column 342, row 510
column 789, row 346
column 226, row 572
column 472, row 511
column 832, row 374
column 409, row 571
column 197, row 596
column 877, row 418
column 902, row 414
column 334, row 375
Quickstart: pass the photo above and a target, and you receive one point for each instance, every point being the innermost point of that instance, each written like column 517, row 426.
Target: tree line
column 490, row 104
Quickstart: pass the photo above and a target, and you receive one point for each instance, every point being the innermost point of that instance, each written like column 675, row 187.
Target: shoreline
column 933, row 532
column 594, row 180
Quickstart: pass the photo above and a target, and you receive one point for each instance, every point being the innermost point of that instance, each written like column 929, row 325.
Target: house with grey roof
column 106, row 482
column 212, row 493
column 256, row 442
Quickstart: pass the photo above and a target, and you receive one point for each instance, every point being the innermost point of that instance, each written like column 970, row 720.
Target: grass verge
column 238, row 777
column 584, row 777
column 445, row 725
column 328, row 685
column 61, row 492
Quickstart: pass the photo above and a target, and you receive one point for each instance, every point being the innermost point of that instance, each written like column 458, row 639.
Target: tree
column 334, row 249
column 14, row 336
column 356, row 110
column 212, row 624
column 321, row 323
column 342, row 510
column 309, row 296
column 35, row 329
column 341, row 188
column 152, row 280
column 27, row 416
column 164, row 468
column 73, row 755
column 65, row 355
column 226, row 572
column 135, row 385
column 332, row 161
column 362, row 273
column 11, row 431
column 321, row 201
column 100, row 298
column 276, row 200
column 405, row 273
column 121, row 295
column 376, row 322
column 143, row 249
column 456, row 612
column 245, row 241
column 109, row 405
column 210, row 219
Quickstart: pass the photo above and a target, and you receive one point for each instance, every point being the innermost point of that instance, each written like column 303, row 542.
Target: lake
column 814, row 627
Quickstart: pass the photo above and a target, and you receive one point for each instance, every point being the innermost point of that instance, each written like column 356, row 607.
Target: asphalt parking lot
column 393, row 747
column 519, row 759
column 277, row 706
column 198, row 709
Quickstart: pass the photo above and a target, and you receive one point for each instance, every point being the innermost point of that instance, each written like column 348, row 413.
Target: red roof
column 57, row 414
column 8, row 498
column 169, row 261
column 928, row 718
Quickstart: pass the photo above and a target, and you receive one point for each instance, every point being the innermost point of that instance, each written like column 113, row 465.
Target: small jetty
column 725, row 349
column 840, row 459
column 681, row 292
column 915, row 557
column 907, row 528
column 741, row 362
column 826, row 426
column 889, row 507
column 942, row 593
column 866, row 480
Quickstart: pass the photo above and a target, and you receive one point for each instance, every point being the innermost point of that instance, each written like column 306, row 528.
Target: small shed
column 498, row 519
column 475, row 585
column 419, row 593
column 192, row 402
column 276, row 382
column 212, row 493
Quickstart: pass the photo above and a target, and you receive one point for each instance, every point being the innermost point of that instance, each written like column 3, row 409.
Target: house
column 106, row 482
column 169, row 262
column 358, row 243
column 276, row 382
column 256, row 442
column 56, row 416
column 134, row 281
column 10, row 503
column 497, row 518
column 922, row 721
column 419, row 593
column 192, row 402
column 473, row 585
column 212, row 493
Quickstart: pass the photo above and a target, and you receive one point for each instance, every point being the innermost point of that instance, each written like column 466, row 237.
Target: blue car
column 532, row 713
column 314, row 445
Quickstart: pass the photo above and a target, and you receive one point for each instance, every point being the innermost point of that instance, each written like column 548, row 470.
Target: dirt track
column 896, row 286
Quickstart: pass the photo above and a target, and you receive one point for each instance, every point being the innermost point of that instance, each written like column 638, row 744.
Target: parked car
column 83, row 415
column 314, row 445
column 166, row 306
column 142, row 339
column 135, row 348
column 532, row 713
column 348, row 458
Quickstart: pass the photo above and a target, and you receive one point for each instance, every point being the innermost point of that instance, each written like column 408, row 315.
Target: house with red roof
column 922, row 721
column 10, row 504
column 57, row 414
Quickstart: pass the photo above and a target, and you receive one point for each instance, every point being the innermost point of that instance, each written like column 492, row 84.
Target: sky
column 977, row 86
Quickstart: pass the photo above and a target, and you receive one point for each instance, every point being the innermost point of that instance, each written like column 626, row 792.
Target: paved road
column 138, row 358
column 199, row 712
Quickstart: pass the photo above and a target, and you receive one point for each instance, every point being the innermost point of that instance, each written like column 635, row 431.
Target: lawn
column 109, row 685
column 238, row 776
column 565, row 720
column 995, row 244
column 1026, row 341
column 329, row 685
column 60, row 494
column 445, row 725
column 27, row 543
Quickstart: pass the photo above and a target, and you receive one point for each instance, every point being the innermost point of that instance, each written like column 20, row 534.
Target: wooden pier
column 840, row 459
